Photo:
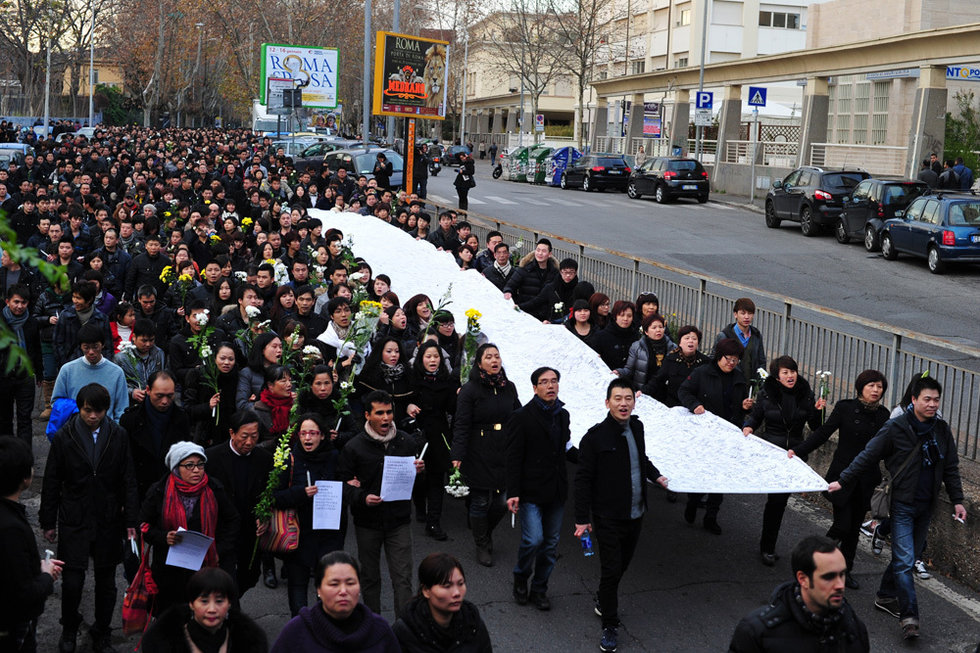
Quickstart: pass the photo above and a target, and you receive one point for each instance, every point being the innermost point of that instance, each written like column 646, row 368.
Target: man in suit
column 537, row 483
column 243, row 469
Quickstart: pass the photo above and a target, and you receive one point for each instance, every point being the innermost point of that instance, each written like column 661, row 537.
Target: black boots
column 481, row 537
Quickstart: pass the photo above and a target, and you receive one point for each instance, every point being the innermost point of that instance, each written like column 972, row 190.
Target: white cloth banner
column 697, row 453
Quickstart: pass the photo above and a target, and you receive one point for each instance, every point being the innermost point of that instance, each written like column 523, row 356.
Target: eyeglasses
column 731, row 359
column 313, row 433
column 192, row 466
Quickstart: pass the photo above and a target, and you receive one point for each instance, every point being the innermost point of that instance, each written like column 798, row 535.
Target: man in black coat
column 610, row 484
column 153, row 425
column 17, row 387
column 89, row 495
column 500, row 272
column 148, row 306
column 146, row 269
column 529, row 280
column 243, row 469
column 808, row 613
column 537, row 483
column 378, row 521
column 28, row 580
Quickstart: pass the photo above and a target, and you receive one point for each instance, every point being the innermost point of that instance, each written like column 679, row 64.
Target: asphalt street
column 684, row 592
column 734, row 244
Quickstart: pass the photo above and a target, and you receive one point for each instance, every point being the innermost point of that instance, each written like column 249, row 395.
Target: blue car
column 942, row 229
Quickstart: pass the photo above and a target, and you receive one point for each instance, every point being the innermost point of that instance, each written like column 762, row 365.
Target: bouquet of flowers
column 357, row 339
column 456, row 487
column 469, row 343
column 823, row 390
column 213, row 239
column 183, row 285
column 201, row 344
column 247, row 224
column 280, row 272
column 247, row 335
column 356, row 281
column 756, row 384
column 515, row 253
column 673, row 327
column 128, row 349
column 241, row 276
column 168, row 275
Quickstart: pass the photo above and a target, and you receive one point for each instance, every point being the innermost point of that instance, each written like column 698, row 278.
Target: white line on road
column 528, row 200
column 561, row 202
column 498, row 199
column 440, row 199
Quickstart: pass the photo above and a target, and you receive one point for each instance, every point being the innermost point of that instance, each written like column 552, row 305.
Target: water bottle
column 587, row 545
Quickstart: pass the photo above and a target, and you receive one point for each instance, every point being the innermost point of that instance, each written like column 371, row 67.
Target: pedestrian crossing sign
column 757, row 96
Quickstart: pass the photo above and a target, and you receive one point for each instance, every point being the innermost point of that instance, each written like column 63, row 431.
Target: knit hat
column 180, row 451
column 728, row 347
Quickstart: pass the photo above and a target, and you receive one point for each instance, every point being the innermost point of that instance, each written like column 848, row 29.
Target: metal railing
column 819, row 338
column 879, row 159
column 767, row 153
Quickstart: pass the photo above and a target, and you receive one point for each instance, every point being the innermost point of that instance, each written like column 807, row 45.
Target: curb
column 745, row 205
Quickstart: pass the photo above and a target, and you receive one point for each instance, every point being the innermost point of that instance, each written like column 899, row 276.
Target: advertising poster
column 651, row 126
column 314, row 70
column 411, row 75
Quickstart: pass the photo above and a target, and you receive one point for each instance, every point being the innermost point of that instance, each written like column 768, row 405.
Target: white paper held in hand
column 398, row 478
column 328, row 505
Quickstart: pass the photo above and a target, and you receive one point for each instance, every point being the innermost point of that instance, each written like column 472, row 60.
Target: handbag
column 881, row 498
column 137, row 604
column 282, row 535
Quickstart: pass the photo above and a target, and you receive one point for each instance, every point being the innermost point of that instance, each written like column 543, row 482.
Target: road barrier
column 819, row 338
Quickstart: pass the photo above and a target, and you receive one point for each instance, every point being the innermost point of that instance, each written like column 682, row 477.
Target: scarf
column 201, row 640
column 657, row 349
column 924, row 431
column 392, row 373
column 504, row 270
column 341, row 332
column 823, row 624
column 86, row 315
column 175, row 516
column 377, row 437
column 17, row 324
column 869, row 406
column 498, row 380
column 278, row 408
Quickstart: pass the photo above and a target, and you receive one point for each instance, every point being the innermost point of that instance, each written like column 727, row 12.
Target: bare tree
column 25, row 26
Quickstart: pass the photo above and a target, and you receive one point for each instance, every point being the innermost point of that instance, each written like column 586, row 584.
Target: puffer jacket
column 529, row 281
column 640, row 365
column 784, row 412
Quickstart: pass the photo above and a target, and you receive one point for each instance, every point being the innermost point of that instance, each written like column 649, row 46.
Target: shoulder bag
column 282, row 535
column 881, row 498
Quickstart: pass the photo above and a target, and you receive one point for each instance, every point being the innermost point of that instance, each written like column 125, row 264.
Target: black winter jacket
column 785, row 412
column 418, row 632
column 894, row 443
column 49, row 304
column 363, row 457
column 26, row 588
column 529, row 281
column 32, row 337
column 90, row 502
column 706, row 387
column 436, row 397
column 672, row 373
column 146, row 270
column 494, row 276
column 755, row 353
column 479, row 431
column 148, row 462
column 196, row 399
column 613, row 344
column 602, row 482
column 167, row 634
column 536, row 453
column 782, row 627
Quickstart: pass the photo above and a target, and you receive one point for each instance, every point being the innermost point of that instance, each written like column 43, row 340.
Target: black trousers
column 72, row 583
column 712, row 504
column 772, row 519
column 464, row 202
column 617, row 540
column 848, row 517
column 19, row 393
column 427, row 495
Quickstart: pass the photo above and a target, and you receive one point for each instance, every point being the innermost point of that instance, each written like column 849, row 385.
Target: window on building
column 637, row 67
column 779, row 19
column 879, row 117
column 603, row 74
column 685, row 17
column 95, row 76
column 680, row 62
column 843, row 128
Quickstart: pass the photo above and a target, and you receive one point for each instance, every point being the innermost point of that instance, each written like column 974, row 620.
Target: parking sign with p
column 704, row 100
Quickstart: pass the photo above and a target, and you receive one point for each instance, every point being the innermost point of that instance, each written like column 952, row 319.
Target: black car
column 811, row 196
column 312, row 157
column 669, row 177
column 453, row 156
column 871, row 203
column 597, row 172
column 360, row 161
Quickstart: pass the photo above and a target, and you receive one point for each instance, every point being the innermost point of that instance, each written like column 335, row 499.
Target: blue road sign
column 704, row 100
column 757, row 96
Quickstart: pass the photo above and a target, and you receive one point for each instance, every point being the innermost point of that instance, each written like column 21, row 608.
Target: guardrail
column 819, row 338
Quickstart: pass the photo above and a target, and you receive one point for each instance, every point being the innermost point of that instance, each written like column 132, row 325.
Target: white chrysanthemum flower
column 252, row 312
column 357, row 276
column 202, row 319
column 241, row 276
column 206, row 352
column 763, row 374
column 310, row 350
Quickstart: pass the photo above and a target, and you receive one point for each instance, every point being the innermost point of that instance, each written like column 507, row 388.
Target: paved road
column 735, row 244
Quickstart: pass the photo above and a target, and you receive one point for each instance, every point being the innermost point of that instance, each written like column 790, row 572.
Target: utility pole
column 704, row 39
column 197, row 67
column 462, row 122
column 91, row 71
column 520, row 117
column 47, row 87
column 366, row 91
column 395, row 20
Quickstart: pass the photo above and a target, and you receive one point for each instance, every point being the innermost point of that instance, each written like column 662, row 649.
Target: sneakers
column 888, row 604
column 910, row 628
column 595, row 605
column 877, row 540
column 921, row 571
column 768, row 559
column 609, row 640
column 868, row 527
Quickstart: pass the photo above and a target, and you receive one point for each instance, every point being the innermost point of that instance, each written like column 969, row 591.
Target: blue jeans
column 909, row 524
column 540, row 528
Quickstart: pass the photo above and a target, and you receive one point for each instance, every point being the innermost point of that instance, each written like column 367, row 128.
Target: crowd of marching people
column 207, row 334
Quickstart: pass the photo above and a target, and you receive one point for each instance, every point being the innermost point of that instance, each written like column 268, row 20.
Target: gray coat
column 638, row 368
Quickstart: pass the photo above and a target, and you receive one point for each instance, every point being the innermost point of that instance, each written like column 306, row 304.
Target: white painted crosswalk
column 601, row 201
column 498, row 200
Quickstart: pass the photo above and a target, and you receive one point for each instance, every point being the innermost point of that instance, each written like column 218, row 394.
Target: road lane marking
column 499, row 200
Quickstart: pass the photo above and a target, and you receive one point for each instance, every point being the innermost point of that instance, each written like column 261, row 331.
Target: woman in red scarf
column 275, row 401
column 186, row 499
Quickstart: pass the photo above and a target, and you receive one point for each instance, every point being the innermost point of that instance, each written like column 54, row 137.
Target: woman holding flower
column 211, row 411
column 266, row 351
column 387, row 369
column 418, row 309
column 275, row 400
column 785, row 405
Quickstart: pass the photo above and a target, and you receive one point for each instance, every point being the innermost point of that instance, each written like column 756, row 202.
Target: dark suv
column 597, row 172
column 811, row 196
column 871, row 203
column 667, row 177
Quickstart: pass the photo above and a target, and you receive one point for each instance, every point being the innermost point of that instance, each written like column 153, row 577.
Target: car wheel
column 840, row 232
column 806, row 222
column 935, row 262
column 586, row 185
column 564, row 182
column 631, row 191
column 888, row 247
column 702, row 199
column 871, row 238
column 771, row 220
column 661, row 194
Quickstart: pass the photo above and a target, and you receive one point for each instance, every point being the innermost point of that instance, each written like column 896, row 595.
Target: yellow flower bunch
column 247, row 222
column 369, row 306
column 186, row 278
column 473, row 314
column 166, row 274
column 215, row 238
column 270, row 261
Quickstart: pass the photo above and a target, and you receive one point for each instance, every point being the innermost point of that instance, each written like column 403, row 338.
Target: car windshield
column 845, row 179
column 610, row 161
column 901, row 193
column 365, row 162
column 964, row 214
column 684, row 165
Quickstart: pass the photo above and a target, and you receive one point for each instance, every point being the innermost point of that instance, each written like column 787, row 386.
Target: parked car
column 360, row 161
column 667, row 178
column 14, row 152
column 294, row 148
column 871, row 203
column 453, row 154
column 597, row 172
column 314, row 155
column 941, row 228
column 811, row 196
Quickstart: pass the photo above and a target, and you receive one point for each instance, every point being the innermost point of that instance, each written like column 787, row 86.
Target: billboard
column 411, row 75
column 312, row 69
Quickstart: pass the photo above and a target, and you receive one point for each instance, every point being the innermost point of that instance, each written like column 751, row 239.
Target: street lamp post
column 366, row 91
column 197, row 67
column 91, row 70
column 704, row 39
column 462, row 122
